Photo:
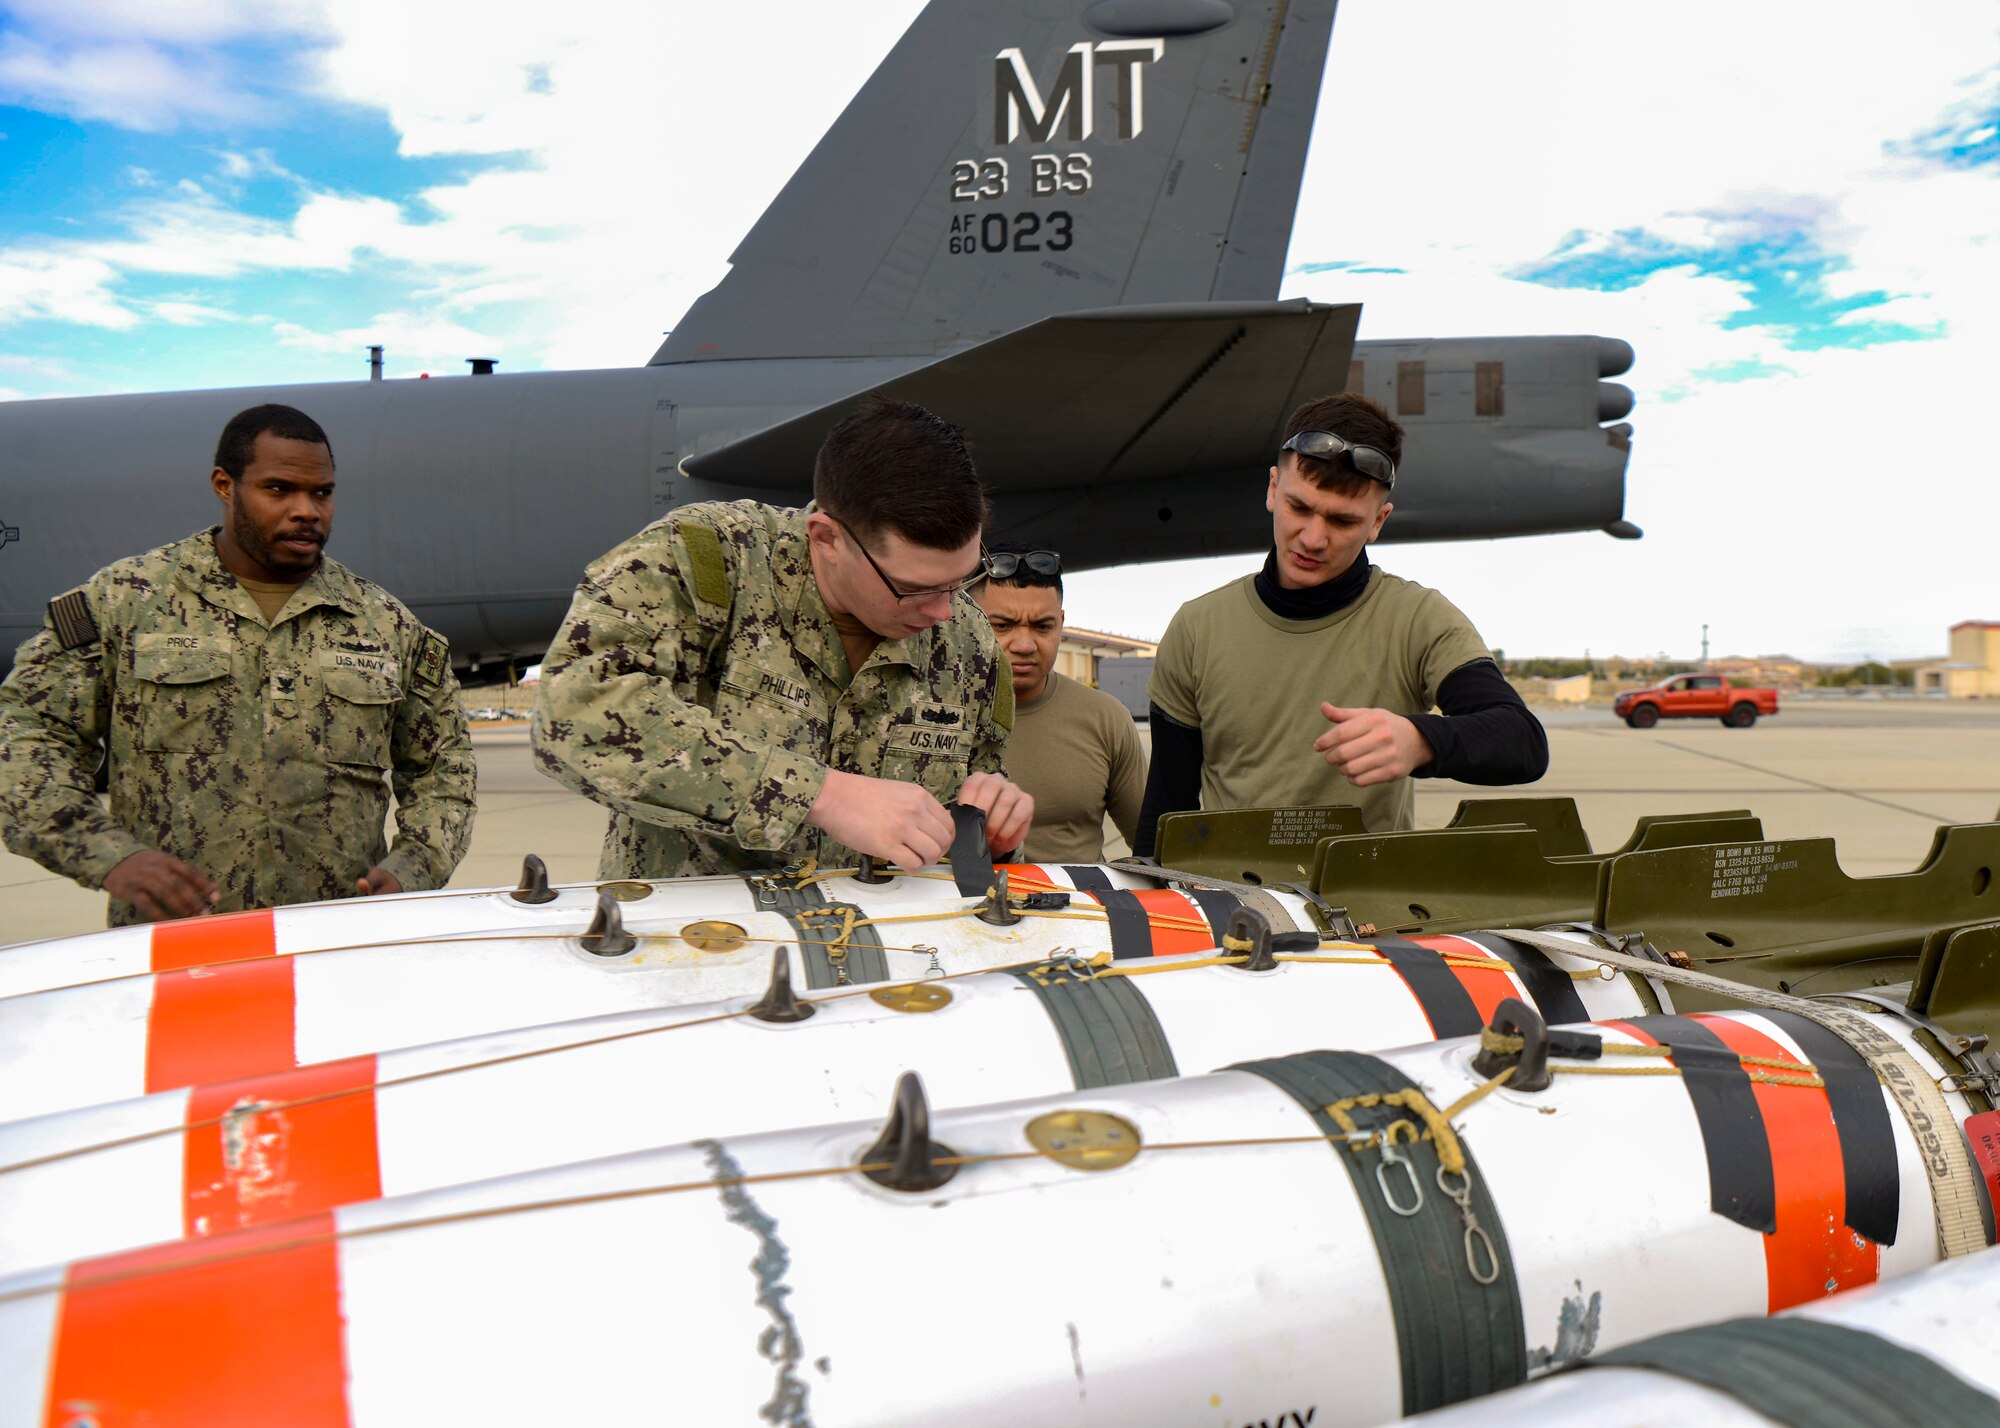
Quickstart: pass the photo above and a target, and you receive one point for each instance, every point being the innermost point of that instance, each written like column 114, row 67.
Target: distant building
column 1081, row 650
column 1778, row 671
column 1972, row 669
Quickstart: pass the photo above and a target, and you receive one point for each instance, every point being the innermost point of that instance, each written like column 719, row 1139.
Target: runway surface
column 1877, row 777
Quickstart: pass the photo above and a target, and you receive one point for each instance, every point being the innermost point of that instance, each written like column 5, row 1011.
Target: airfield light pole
column 1704, row 647
column 375, row 363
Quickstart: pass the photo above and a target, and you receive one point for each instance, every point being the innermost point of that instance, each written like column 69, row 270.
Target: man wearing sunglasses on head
column 1311, row 682
column 1074, row 749
column 745, row 685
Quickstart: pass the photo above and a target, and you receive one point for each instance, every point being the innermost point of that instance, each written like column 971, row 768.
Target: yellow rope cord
column 1033, row 967
column 1437, row 1126
column 1476, row 1095
column 1178, row 964
column 233, row 1253
column 1762, row 1070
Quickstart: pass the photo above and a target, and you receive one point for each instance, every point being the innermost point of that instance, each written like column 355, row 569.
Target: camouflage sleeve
column 614, row 721
column 997, row 705
column 54, row 714
column 432, row 772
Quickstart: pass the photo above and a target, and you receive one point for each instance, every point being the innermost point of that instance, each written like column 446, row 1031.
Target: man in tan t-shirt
column 1074, row 748
column 1311, row 682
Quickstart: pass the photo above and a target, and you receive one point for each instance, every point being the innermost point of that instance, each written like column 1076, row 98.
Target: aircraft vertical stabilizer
column 1011, row 162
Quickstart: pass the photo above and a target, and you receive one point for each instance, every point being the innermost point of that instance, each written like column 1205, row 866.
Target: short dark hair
column 239, row 438
column 1025, row 578
column 893, row 464
column 1352, row 417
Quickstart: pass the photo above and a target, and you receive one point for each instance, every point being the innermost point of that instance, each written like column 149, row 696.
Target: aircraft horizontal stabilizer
column 1116, row 395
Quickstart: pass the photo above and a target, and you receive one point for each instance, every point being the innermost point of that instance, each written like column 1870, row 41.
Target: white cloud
column 415, row 342
column 137, row 86
column 181, row 22
column 188, row 314
column 65, row 287
column 627, row 145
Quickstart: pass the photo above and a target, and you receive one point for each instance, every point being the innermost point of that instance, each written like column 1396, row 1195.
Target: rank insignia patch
column 433, row 661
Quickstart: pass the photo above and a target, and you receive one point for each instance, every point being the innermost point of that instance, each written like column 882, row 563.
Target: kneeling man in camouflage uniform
column 256, row 701
column 744, row 684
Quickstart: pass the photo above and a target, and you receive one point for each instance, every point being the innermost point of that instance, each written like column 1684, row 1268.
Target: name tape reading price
column 1012, row 233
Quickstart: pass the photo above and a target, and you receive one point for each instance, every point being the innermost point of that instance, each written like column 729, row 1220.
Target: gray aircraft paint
column 1124, row 390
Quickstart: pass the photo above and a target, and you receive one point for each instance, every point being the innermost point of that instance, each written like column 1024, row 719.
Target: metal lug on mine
column 606, row 936
column 905, row 1151
column 997, row 909
column 1514, row 1018
column 780, row 1002
column 534, row 882
column 1246, row 924
column 869, row 873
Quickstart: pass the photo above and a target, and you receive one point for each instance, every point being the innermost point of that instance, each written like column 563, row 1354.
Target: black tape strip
column 1553, row 989
column 1131, row 929
column 1732, row 1126
column 1107, row 1027
column 1861, row 1121
column 864, row 960
column 1216, row 905
column 1455, row 1337
column 971, row 857
column 1813, row 1374
column 1443, row 997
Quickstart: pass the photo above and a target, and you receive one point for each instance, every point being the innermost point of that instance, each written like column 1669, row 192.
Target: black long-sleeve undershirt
column 1485, row 734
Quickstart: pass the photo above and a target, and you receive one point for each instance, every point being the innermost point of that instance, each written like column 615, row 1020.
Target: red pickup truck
column 1695, row 696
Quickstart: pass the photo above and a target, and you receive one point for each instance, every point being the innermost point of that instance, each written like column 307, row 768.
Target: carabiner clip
column 1478, row 1243
column 1392, row 1156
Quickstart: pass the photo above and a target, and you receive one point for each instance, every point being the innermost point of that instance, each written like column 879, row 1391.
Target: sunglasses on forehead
column 1007, row 564
column 1324, row 446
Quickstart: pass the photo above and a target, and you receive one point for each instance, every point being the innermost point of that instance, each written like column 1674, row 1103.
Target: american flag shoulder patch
column 70, row 614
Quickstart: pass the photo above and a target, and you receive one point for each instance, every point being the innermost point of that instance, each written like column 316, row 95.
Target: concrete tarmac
column 1878, row 777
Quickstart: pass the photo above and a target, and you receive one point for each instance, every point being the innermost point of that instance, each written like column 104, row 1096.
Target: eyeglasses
column 1324, row 446
column 913, row 597
column 1006, row 564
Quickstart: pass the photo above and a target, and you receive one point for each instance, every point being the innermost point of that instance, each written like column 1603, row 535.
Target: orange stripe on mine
column 1813, row 1253
column 195, row 1333
column 201, row 941
column 1162, row 903
column 263, row 1160
column 220, row 1023
column 1487, row 989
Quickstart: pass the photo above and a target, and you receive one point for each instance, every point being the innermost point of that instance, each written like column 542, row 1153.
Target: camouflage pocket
column 940, row 773
column 357, row 713
column 186, row 699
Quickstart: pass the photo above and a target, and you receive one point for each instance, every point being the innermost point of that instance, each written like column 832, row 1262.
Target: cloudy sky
column 1792, row 210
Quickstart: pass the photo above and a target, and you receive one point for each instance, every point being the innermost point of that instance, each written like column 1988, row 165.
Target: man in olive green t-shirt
column 1311, row 682
column 1073, row 748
